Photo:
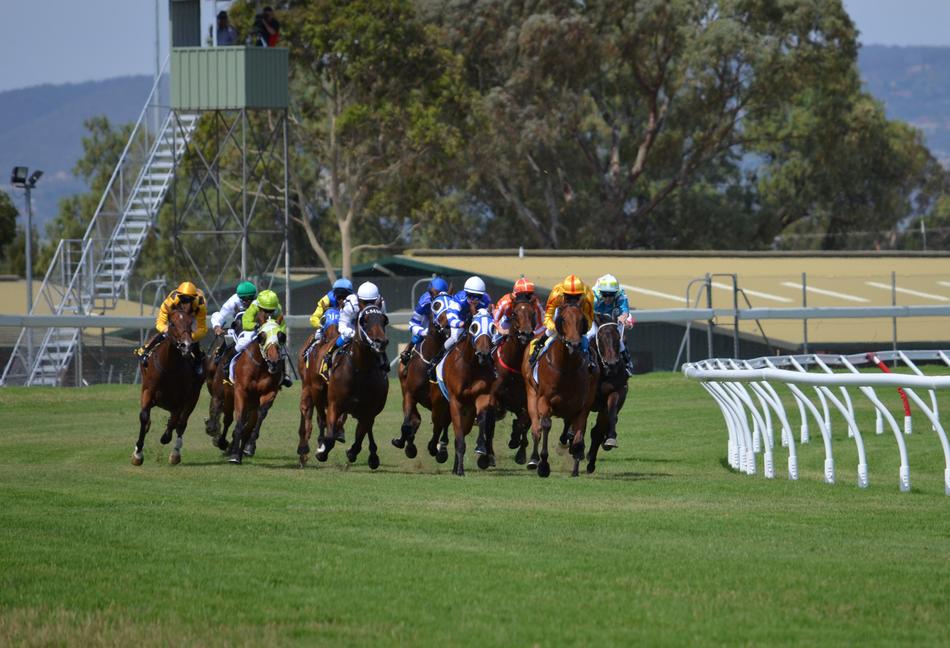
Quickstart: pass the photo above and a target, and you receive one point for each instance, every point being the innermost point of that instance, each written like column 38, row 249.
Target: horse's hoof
column 411, row 451
column 137, row 459
column 302, row 460
column 442, row 455
column 222, row 443
column 236, row 458
column 250, row 449
column 433, row 448
column 321, row 456
column 166, row 438
column 514, row 442
column 373, row 462
column 565, row 437
column 483, row 461
column 533, row 463
column 340, row 437
column 544, row 469
column 303, row 450
column 174, row 458
column 610, row 444
column 590, row 468
column 399, row 442
column 350, row 456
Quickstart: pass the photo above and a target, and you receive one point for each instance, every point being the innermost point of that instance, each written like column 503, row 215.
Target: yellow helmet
column 572, row 285
column 187, row 288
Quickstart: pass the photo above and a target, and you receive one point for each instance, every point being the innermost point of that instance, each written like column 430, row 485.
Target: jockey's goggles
column 608, row 293
column 246, row 300
column 472, row 296
column 524, row 296
column 186, row 299
column 268, row 310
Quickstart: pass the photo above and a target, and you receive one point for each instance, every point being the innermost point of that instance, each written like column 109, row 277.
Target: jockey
column 185, row 296
column 366, row 295
column 571, row 290
column 460, row 308
column 610, row 300
column 522, row 291
column 419, row 323
column 266, row 306
column 341, row 289
column 227, row 321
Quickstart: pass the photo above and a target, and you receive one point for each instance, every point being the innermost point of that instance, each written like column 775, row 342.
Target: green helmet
column 268, row 300
column 246, row 290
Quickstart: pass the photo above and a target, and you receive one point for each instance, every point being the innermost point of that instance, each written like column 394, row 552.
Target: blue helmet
column 344, row 284
column 439, row 285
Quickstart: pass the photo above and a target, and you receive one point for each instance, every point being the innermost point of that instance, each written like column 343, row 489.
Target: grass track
column 663, row 545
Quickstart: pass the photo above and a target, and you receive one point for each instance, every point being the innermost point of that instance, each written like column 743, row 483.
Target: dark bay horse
column 258, row 373
column 358, row 385
column 415, row 380
column 469, row 374
column 611, row 390
column 508, row 390
column 565, row 386
column 169, row 381
column 313, row 391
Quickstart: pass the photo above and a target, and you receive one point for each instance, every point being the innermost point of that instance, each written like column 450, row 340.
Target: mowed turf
column 663, row 545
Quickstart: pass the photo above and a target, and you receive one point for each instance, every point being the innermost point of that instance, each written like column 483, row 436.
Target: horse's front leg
column 613, row 409
column 410, row 423
column 263, row 408
column 334, row 426
column 236, row 450
column 305, row 429
column 145, row 422
column 354, row 451
column 462, row 420
column 544, row 421
column 485, row 415
column 577, row 443
column 228, row 399
column 596, row 438
column 535, row 429
column 367, row 425
column 520, row 425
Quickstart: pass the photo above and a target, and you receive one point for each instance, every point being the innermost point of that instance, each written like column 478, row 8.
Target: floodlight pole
column 29, row 250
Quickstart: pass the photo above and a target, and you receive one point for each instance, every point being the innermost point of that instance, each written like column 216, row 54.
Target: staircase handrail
column 125, row 151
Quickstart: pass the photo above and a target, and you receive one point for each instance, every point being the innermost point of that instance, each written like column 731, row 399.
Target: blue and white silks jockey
column 611, row 301
column 474, row 292
column 422, row 314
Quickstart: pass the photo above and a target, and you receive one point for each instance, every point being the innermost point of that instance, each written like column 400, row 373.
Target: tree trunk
column 346, row 247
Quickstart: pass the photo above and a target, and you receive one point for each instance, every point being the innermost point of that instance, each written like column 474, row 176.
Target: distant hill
column 914, row 85
column 42, row 127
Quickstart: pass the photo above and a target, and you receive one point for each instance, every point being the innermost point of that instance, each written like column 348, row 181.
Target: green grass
column 663, row 545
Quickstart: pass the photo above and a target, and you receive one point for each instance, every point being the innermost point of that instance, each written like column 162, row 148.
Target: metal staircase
column 90, row 274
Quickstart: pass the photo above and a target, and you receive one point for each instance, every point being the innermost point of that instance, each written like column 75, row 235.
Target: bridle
column 377, row 346
column 270, row 330
column 184, row 347
column 482, row 325
column 558, row 323
column 616, row 363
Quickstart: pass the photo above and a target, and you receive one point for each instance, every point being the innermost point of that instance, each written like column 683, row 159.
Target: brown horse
column 313, row 391
column 468, row 375
column 169, row 381
column 222, row 393
column 415, row 380
column 358, row 385
column 565, row 387
column 508, row 390
column 258, row 373
column 611, row 390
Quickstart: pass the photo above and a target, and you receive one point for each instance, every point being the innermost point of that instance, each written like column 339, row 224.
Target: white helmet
column 367, row 291
column 475, row 285
column 607, row 284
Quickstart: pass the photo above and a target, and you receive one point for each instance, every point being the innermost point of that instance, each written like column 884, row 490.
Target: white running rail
column 746, row 393
column 91, row 274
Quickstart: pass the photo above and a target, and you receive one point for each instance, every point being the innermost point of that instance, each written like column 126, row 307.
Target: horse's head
column 439, row 322
column 372, row 322
column 571, row 324
column 481, row 332
column 180, row 323
column 270, row 338
column 523, row 320
column 609, row 335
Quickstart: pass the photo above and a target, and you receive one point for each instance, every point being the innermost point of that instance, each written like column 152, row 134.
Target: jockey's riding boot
column 384, row 362
column 199, row 360
column 144, row 351
column 536, row 351
column 287, row 381
column 406, row 354
column 627, row 362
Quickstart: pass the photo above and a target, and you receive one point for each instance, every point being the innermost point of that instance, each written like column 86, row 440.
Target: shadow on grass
column 724, row 462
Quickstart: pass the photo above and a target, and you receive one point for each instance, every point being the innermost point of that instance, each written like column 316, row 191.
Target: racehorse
column 565, row 387
column 468, row 374
column 313, row 391
column 611, row 390
column 508, row 390
column 415, row 380
column 258, row 373
column 358, row 386
column 169, row 381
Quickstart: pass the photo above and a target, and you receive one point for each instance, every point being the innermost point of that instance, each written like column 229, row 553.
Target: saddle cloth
column 439, row 377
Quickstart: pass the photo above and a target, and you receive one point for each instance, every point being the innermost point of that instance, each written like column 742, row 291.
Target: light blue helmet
column 343, row 283
column 439, row 285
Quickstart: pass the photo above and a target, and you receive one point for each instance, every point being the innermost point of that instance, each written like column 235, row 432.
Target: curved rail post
column 767, row 394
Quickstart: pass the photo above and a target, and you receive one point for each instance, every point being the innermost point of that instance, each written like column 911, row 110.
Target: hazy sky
column 61, row 41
